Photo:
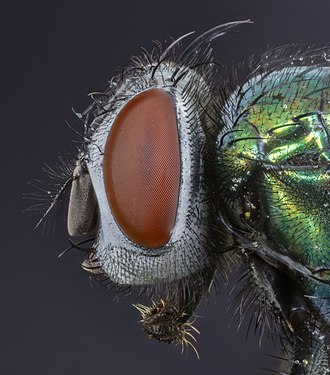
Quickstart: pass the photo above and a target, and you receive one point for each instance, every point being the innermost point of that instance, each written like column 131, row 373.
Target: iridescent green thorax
column 275, row 172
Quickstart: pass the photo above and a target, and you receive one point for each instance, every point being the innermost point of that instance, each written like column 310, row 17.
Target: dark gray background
column 52, row 55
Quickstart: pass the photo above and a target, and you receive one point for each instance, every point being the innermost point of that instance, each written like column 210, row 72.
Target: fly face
column 144, row 183
column 146, row 168
column 143, row 186
column 148, row 156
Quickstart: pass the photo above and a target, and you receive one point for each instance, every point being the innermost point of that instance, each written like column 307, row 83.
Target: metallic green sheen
column 274, row 168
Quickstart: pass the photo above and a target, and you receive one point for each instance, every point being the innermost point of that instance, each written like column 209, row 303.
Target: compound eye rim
column 142, row 168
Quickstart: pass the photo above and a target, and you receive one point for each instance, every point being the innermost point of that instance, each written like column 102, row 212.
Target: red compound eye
column 142, row 168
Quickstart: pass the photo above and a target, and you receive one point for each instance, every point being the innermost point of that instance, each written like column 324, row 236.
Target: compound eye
column 142, row 168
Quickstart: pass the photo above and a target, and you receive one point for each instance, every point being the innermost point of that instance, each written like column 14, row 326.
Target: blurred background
column 53, row 53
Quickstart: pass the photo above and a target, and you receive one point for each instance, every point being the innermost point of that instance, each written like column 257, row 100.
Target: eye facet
column 142, row 168
column 150, row 159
